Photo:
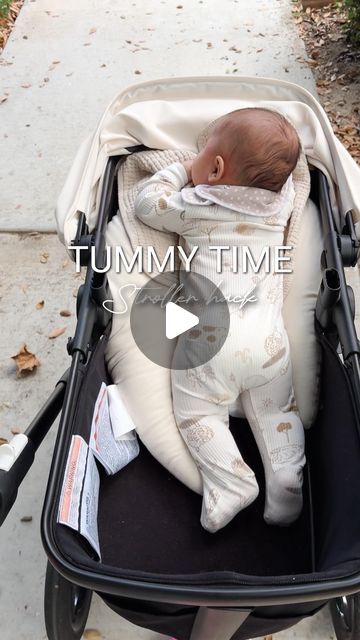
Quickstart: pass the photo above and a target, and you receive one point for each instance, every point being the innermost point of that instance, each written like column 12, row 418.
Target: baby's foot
column 221, row 504
column 284, row 500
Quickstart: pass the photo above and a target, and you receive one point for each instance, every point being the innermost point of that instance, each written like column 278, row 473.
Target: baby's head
column 251, row 147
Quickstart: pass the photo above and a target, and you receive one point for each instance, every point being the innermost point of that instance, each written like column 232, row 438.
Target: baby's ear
column 217, row 170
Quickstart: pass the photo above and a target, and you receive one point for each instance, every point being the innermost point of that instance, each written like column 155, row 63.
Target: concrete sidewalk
column 63, row 63
column 77, row 55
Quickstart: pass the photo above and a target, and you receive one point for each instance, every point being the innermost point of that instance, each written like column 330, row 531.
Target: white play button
column 197, row 317
column 178, row 320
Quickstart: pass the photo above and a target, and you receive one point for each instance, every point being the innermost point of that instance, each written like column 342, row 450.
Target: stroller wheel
column 66, row 607
column 345, row 614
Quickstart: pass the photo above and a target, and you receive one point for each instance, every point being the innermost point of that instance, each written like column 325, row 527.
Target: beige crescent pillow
column 146, row 387
column 298, row 313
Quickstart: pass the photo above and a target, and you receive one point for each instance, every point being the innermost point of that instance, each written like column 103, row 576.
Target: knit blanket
column 132, row 174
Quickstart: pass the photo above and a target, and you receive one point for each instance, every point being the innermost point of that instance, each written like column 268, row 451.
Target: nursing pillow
column 146, row 387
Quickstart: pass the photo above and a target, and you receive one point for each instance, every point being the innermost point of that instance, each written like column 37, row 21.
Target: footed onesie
column 254, row 361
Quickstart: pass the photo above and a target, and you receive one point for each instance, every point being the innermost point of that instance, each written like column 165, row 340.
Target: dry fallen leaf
column 15, row 430
column 93, row 30
column 40, row 305
column 26, row 85
column 65, row 313
column 92, row 634
column 335, row 63
column 26, row 519
column 3, row 440
column 44, row 257
column 55, row 333
column 25, row 360
column 3, row 99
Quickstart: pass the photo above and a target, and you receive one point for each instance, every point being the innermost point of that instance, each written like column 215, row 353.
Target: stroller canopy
column 171, row 113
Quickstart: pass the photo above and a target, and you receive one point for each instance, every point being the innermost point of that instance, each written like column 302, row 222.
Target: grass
column 4, row 7
column 353, row 9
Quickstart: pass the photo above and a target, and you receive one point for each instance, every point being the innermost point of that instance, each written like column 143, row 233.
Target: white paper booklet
column 120, row 420
column 89, row 503
column 113, row 454
column 80, row 493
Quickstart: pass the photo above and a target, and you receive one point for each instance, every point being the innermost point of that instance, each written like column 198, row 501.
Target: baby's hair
column 261, row 146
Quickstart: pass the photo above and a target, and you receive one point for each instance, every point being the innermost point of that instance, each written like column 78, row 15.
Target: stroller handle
column 17, row 456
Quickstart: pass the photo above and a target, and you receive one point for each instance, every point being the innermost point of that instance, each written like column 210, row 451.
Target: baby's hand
column 188, row 166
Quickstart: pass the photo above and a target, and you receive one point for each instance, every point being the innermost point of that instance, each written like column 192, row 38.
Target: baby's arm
column 159, row 203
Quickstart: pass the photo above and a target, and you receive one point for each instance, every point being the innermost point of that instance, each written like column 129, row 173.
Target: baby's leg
column 229, row 485
column 279, row 434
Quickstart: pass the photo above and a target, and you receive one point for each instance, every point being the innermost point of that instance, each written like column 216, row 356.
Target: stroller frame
column 220, row 612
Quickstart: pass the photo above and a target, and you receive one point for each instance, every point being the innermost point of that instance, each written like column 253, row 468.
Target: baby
column 242, row 191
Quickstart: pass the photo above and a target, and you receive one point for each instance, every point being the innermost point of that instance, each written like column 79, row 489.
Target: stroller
column 157, row 572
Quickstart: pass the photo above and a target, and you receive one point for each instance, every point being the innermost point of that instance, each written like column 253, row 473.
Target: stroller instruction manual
column 114, row 443
column 114, row 454
column 80, row 492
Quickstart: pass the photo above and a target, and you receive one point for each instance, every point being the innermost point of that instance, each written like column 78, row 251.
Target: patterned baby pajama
column 254, row 362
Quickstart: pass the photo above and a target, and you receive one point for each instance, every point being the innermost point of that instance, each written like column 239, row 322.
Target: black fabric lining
column 148, row 505
column 149, row 522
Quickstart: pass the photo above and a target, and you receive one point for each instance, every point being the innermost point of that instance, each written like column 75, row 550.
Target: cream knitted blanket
column 133, row 173
column 139, row 167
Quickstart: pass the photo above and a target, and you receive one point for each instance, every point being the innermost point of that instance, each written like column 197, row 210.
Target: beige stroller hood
column 171, row 113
